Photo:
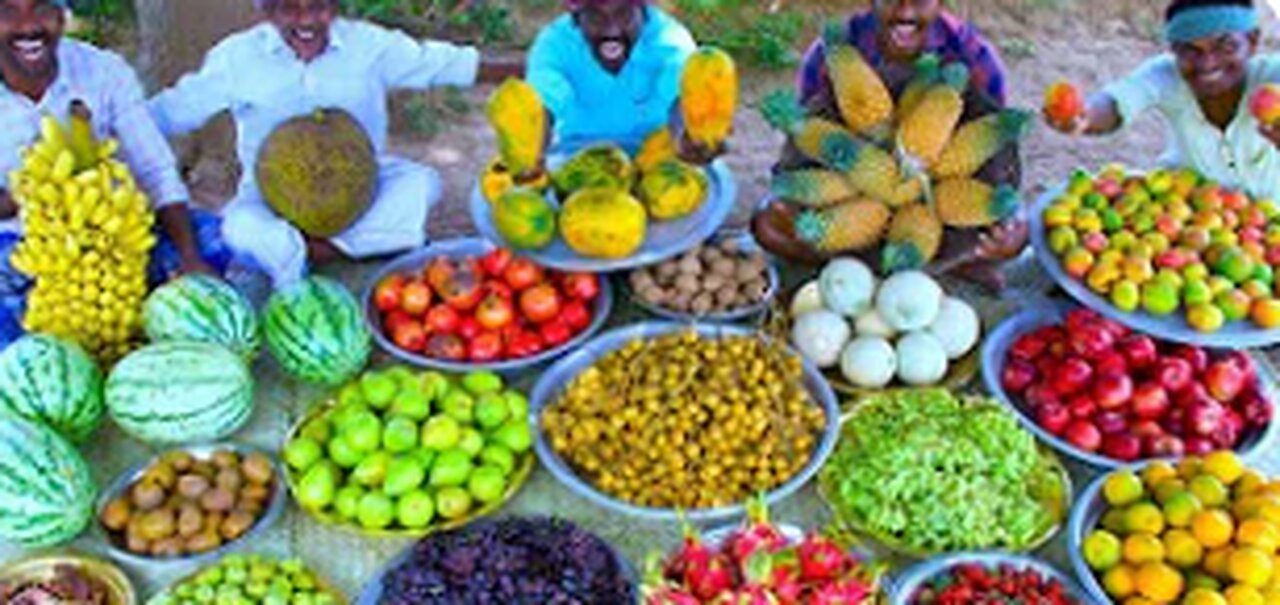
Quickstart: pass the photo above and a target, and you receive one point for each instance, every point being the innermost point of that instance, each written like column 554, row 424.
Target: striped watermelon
column 52, row 381
column 314, row 330
column 204, row 309
column 180, row 392
column 46, row 492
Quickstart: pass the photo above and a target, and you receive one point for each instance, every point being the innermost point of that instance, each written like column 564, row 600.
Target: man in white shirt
column 303, row 58
column 42, row 74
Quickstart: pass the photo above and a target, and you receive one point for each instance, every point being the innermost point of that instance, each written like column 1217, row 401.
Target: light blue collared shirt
column 591, row 104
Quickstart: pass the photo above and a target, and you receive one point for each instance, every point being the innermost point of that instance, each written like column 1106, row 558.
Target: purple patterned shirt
column 950, row 37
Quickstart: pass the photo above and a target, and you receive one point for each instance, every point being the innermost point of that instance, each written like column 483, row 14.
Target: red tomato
column 487, row 346
column 415, row 298
column 522, row 273
column 410, row 336
column 442, row 319
column 495, row 313
column 386, row 297
column 394, row 319
column 499, row 289
column 577, row 315
column 464, row 297
column 446, row 346
column 524, row 344
column 582, row 286
column 540, row 304
column 556, row 333
column 496, row 262
column 468, row 328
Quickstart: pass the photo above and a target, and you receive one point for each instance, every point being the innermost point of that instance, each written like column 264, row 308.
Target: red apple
column 1082, row 406
column 1174, row 421
column 1029, row 346
column 1228, row 432
column 555, row 333
column 1109, row 422
column 1199, row 446
column 1167, row 446
column 1080, row 317
column 1047, row 365
column 577, row 315
column 1053, row 418
column 1110, row 362
column 1017, row 376
column 1090, row 340
column 1255, row 408
column 1139, row 350
column 1225, row 380
column 1082, row 434
column 582, row 286
column 1146, row 429
column 1111, row 390
column 1174, row 373
column 1242, row 361
column 469, row 328
column 1072, row 376
column 386, row 297
column 1122, row 446
column 1117, row 329
column 1150, row 401
column 1204, row 417
column 1193, row 393
column 410, row 336
column 1197, row 357
column 1041, row 395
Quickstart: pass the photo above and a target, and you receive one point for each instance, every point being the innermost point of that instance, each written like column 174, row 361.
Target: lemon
column 1241, row 594
column 1209, row 490
column 1180, row 508
column 1182, row 549
column 1250, row 566
column 1144, row 517
column 1102, row 550
column 1119, row 582
column 1143, row 548
column 1122, row 488
column 1204, row 596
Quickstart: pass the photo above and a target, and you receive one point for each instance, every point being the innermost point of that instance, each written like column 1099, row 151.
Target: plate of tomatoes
column 465, row 304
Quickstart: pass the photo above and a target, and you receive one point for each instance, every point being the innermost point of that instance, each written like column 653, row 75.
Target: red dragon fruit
column 849, row 591
column 821, row 560
column 756, row 535
column 692, row 553
column 710, row 580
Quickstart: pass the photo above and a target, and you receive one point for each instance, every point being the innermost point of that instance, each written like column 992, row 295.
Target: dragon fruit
column 821, row 560
column 757, row 535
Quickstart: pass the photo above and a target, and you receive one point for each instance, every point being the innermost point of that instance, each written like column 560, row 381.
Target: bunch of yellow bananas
column 86, row 239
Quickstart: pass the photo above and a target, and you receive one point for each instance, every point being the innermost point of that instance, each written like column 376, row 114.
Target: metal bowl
column 518, row 478
column 994, row 354
column 457, row 248
column 748, row 244
column 118, row 487
column 371, row 594
column 1174, row 327
column 561, row 374
column 42, row 567
column 1085, row 516
column 322, row 584
column 1054, row 493
column 663, row 239
column 920, row 574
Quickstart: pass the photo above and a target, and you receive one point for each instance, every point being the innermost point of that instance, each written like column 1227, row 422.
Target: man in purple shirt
column 892, row 35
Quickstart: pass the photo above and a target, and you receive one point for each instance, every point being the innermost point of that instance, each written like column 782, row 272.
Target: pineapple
column 862, row 97
column 519, row 120
column 927, row 129
column 820, row 140
column 975, row 143
column 907, row 192
column 913, row 240
column 709, row 96
column 927, row 68
column 848, row 227
column 814, row 188
column 875, row 173
column 966, row 202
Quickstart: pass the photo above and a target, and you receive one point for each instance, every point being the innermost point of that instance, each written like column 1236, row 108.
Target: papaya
column 601, row 222
column 672, row 190
column 525, row 219
column 597, row 166
column 657, row 148
column 497, row 180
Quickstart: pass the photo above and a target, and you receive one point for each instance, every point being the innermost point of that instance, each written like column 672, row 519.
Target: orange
column 1234, row 303
column 1126, row 295
column 1209, row 490
column 1203, row 596
column 1113, row 521
column 1102, row 550
column 1250, row 481
column 1212, row 528
column 1250, row 566
column 1188, row 467
column 1077, row 262
column 1215, row 562
column 1258, row 533
column 1122, row 488
column 1159, row 582
column 1266, row 313
column 1182, row 549
column 1144, row 517
column 1180, row 508
column 1143, row 548
column 1136, row 600
column 1196, row 292
column 1158, row 471
column 1119, row 582
column 1223, row 464
column 1168, row 488
column 1241, row 594
column 1206, row 318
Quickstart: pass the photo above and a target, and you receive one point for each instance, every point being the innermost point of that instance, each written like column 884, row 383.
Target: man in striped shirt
column 42, row 74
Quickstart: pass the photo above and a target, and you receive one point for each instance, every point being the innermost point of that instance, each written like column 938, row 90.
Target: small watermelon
column 180, row 392
column 315, row 331
column 52, row 381
column 46, row 492
column 204, row 309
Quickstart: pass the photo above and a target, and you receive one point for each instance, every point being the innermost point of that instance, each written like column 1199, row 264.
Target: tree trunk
column 174, row 36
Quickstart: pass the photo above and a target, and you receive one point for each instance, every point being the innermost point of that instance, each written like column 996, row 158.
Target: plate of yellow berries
column 1202, row 530
column 1169, row 253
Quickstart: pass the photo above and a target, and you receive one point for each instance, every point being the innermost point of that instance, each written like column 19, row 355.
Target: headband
column 1209, row 22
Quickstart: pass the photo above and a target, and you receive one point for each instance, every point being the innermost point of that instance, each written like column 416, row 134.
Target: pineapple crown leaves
column 1013, row 124
column 901, row 257
column 956, row 75
column 782, row 110
column 810, row 227
column 1005, row 202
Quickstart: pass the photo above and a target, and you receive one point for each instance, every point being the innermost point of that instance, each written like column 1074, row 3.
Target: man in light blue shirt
column 302, row 59
column 609, row 71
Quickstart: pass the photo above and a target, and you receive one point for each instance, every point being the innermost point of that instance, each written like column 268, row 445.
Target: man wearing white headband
column 305, row 57
column 1202, row 88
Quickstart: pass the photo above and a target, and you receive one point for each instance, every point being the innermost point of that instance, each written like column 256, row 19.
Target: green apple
column 415, row 509
column 487, row 484
column 364, row 432
column 404, row 475
column 400, row 435
column 514, row 435
column 452, row 467
column 471, row 442
column 496, row 454
column 317, row 487
column 491, row 411
column 302, row 452
column 517, row 404
column 350, row 395
column 375, row 511
column 460, row 406
column 347, row 501
column 318, row 430
column 481, row 383
column 372, row 471
column 453, row 502
column 342, row 453
column 379, row 389
column 441, row 433
column 411, row 404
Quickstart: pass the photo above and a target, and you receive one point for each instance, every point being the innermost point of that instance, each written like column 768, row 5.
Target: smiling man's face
column 611, row 27
column 304, row 24
column 904, row 26
column 1215, row 66
column 29, row 35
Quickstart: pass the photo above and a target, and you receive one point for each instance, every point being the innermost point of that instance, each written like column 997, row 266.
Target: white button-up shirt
column 261, row 80
column 110, row 89
column 1239, row 157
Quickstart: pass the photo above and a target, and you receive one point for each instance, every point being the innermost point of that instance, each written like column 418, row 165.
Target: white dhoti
column 395, row 221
